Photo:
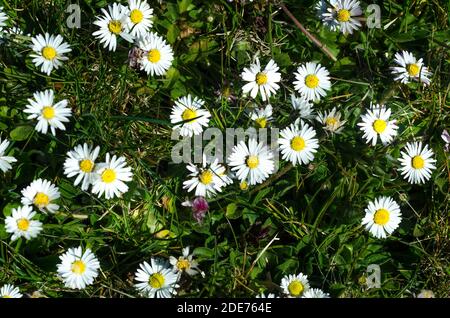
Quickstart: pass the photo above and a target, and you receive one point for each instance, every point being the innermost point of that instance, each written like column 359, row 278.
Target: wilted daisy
column 375, row 123
column 78, row 269
column 157, row 55
column 417, row 163
column 9, row 291
column 262, row 295
column 139, row 17
column 5, row 161
column 315, row 293
column 410, row 69
column 110, row 177
column 294, row 285
column 3, row 18
column 42, row 194
column 49, row 51
column 303, row 106
column 21, row 223
column 313, row 80
column 262, row 81
column 253, row 163
column 80, row 162
column 112, row 24
column 331, row 121
column 188, row 116
column 298, row 145
column 48, row 114
column 207, row 180
column 262, row 116
column 382, row 217
column 341, row 15
column 156, row 279
column 185, row 263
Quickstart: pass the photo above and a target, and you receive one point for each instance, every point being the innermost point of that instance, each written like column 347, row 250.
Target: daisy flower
column 331, row 121
column 207, row 180
column 139, row 17
column 49, row 52
column 253, row 163
column 295, row 285
column 156, row 279
column 185, row 263
column 5, row 161
column 410, row 69
column 303, row 106
column 157, row 55
column 80, row 162
column 189, row 110
column 9, row 291
column 262, row 81
column 313, row 80
column 3, row 18
column 262, row 116
column 315, row 293
column 324, row 15
column 298, row 145
column 78, row 269
column 417, row 163
column 48, row 114
column 20, row 223
column 375, row 123
column 382, row 217
column 112, row 24
column 262, row 295
column 341, row 15
column 110, row 177
column 42, row 194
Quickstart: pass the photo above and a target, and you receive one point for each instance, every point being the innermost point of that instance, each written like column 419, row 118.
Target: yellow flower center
column 298, row 143
column 311, row 81
column 48, row 112
column 418, row 162
column 295, row 288
column 331, row 121
column 41, row 199
column 156, row 280
column 343, row 15
column 261, row 122
column 252, row 162
column 154, row 56
column 78, row 267
column 381, row 217
column 23, row 224
column 6, row 296
column 189, row 114
column 115, row 26
column 86, row 165
column 261, row 78
column 48, row 53
column 413, row 69
column 243, row 185
column 136, row 16
column 108, row 176
column 183, row 264
column 379, row 125
column 206, row 177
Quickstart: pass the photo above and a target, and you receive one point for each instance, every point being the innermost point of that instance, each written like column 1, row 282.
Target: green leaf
column 232, row 211
column 21, row 133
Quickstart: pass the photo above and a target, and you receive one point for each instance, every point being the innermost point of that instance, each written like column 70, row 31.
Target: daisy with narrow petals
column 303, row 106
column 323, row 13
column 269, row 295
column 3, row 18
column 295, row 285
column 113, row 24
column 156, row 279
column 80, row 162
column 410, row 69
column 9, row 291
column 341, row 15
column 375, row 123
column 315, row 293
column 253, row 163
column 5, row 161
column 185, row 263
column 21, row 223
column 110, row 177
column 157, row 55
column 42, row 194
column 188, row 116
column 139, row 17
column 48, row 114
column 331, row 121
column 262, row 116
column 78, row 269
column 49, row 51
column 298, row 145
column 382, row 217
column 262, row 81
column 313, row 80
column 417, row 163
